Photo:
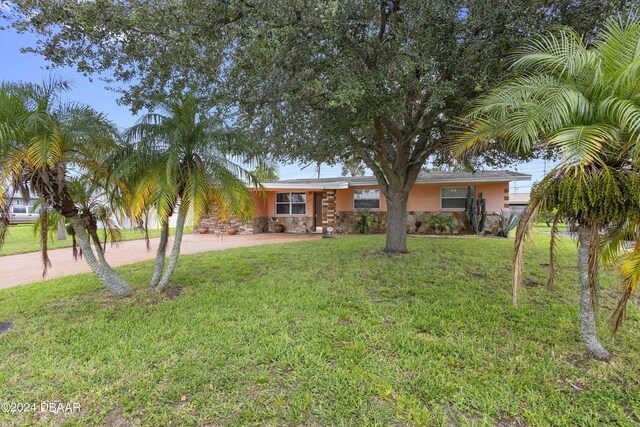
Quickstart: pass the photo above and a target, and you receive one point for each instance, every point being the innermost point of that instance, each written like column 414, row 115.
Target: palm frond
column 554, row 266
column 630, row 272
column 625, row 115
column 44, row 234
column 582, row 145
column 594, row 245
column 527, row 218
column 561, row 54
column 616, row 242
column 4, row 217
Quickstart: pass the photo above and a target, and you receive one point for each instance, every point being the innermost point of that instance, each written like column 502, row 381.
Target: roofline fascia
column 341, row 185
column 305, row 186
column 463, row 180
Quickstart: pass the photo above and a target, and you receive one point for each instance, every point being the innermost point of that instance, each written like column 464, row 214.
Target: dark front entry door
column 317, row 210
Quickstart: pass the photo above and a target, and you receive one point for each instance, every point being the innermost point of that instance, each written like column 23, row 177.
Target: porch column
column 329, row 211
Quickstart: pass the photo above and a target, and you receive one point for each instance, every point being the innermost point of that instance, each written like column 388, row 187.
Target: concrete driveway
column 20, row 269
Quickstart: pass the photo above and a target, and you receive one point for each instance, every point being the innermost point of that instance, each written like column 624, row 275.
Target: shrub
column 440, row 223
column 363, row 221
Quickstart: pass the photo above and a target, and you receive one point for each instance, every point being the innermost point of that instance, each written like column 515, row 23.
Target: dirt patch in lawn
column 477, row 275
column 532, row 283
column 173, row 292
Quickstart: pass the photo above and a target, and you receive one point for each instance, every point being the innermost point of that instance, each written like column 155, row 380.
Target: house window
column 291, row 203
column 454, row 197
column 366, row 199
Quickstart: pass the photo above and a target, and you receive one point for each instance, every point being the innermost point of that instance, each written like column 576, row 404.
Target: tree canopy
column 322, row 81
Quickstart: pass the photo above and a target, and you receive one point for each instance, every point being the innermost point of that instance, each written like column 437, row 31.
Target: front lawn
column 21, row 239
column 326, row 332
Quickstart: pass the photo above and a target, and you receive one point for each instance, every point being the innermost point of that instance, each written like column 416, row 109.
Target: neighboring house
column 330, row 204
column 518, row 201
column 23, row 212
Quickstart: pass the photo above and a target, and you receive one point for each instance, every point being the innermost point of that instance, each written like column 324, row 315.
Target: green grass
column 541, row 226
column 326, row 332
column 21, row 239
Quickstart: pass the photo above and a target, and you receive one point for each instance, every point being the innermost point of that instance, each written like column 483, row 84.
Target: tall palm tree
column 177, row 162
column 583, row 101
column 44, row 142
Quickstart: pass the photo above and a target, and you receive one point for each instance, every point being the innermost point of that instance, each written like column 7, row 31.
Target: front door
column 317, row 210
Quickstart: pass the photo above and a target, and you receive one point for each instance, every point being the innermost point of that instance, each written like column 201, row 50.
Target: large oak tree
column 380, row 81
column 316, row 80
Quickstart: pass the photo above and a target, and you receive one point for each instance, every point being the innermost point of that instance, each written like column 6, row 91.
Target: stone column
column 329, row 211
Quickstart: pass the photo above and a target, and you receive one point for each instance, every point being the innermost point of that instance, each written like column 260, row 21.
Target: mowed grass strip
column 21, row 239
column 327, row 332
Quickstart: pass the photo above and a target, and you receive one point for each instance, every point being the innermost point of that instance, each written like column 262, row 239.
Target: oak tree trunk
column 109, row 278
column 160, row 254
column 396, row 222
column 175, row 251
column 588, row 324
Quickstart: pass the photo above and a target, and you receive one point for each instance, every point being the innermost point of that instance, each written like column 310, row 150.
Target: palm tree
column 583, row 101
column 45, row 142
column 176, row 162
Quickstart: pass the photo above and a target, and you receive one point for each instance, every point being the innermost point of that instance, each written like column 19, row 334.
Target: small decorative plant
column 363, row 221
column 476, row 212
column 505, row 225
column 440, row 223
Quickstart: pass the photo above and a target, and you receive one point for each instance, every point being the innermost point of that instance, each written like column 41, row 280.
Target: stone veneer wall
column 292, row 224
column 215, row 225
column 345, row 221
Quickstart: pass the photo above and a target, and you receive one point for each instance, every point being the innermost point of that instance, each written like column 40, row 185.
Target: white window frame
column 290, row 203
column 473, row 189
column 366, row 189
column 26, row 212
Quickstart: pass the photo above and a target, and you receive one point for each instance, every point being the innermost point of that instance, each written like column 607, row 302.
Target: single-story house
column 330, row 204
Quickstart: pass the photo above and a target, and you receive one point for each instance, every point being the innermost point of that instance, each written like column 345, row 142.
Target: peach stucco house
column 317, row 205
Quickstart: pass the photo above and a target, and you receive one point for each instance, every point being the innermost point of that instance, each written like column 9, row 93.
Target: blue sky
column 28, row 67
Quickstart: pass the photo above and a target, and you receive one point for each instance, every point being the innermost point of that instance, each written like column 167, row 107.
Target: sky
column 17, row 66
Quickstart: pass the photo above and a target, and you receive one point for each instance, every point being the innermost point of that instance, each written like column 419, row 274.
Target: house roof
column 423, row 178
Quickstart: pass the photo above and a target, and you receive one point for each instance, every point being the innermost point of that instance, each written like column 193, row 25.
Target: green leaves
column 180, row 156
column 580, row 146
column 578, row 99
column 560, row 54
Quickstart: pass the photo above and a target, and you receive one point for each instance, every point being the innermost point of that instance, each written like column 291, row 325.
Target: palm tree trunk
column 588, row 324
column 175, row 251
column 161, row 254
column 109, row 278
column 98, row 246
